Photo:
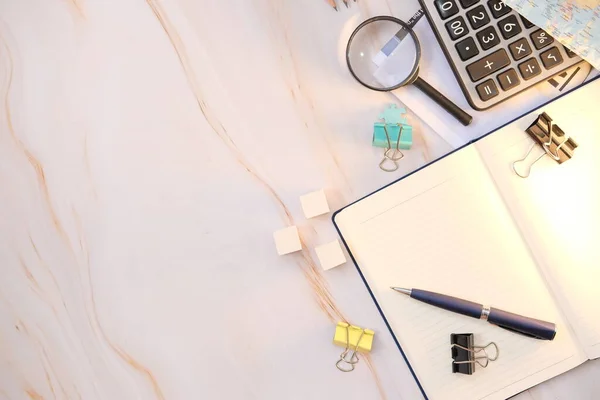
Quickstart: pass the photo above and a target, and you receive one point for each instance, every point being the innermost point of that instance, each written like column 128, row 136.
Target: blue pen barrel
column 464, row 307
column 523, row 325
column 531, row 327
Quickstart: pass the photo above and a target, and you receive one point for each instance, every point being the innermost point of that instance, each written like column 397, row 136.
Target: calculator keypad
column 488, row 37
column 526, row 23
column 520, row 49
column 509, row 79
column 467, row 49
column 541, row 39
column 530, row 68
column 487, row 90
column 457, row 28
column 509, row 27
column 569, row 52
column 446, row 8
column 551, row 58
column 478, row 17
column 468, row 3
column 495, row 51
column 498, row 8
column 488, row 65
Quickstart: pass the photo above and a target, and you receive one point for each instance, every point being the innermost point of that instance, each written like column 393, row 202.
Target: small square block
column 287, row 240
column 330, row 255
column 314, row 204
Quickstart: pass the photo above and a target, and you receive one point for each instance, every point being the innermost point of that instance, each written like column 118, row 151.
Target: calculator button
column 541, row 39
column 508, row 79
column 488, row 65
column 468, row 3
column 487, row 90
column 446, row 8
column 467, row 48
column 498, row 8
column 509, row 27
column 488, row 38
column 569, row 52
column 478, row 17
column 530, row 68
column 526, row 23
column 520, row 49
column 551, row 58
column 457, row 28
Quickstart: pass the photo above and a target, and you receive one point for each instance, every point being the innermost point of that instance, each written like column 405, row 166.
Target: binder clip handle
column 392, row 154
column 465, row 353
column 527, row 168
column 340, row 364
column 476, row 349
column 352, row 362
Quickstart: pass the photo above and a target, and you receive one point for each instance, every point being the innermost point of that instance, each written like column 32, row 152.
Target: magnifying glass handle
column 443, row 101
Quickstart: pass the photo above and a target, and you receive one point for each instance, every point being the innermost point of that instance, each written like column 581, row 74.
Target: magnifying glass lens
column 382, row 55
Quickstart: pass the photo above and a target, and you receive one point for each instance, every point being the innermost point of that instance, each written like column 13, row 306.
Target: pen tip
column 401, row 290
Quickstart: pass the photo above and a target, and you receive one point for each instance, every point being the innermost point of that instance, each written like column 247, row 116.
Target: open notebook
column 467, row 226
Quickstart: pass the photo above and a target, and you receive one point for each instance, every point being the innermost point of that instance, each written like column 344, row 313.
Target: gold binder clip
column 354, row 340
column 553, row 141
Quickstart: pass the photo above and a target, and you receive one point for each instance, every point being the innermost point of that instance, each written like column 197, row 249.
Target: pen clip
column 517, row 331
column 530, row 327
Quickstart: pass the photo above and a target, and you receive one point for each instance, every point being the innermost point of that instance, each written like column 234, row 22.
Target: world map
column 574, row 23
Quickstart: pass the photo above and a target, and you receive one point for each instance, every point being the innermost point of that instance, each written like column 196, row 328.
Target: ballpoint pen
column 531, row 327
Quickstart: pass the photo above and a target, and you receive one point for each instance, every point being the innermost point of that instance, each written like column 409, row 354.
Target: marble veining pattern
column 148, row 150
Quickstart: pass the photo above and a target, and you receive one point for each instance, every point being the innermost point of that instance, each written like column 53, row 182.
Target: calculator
column 494, row 52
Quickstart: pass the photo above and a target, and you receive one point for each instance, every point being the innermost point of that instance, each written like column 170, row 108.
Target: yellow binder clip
column 353, row 339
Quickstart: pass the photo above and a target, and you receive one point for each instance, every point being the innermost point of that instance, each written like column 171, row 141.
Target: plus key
column 488, row 65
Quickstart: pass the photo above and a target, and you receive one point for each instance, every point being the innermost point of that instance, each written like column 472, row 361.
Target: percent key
column 541, row 39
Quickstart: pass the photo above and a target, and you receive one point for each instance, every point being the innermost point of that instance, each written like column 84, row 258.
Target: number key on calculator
column 493, row 52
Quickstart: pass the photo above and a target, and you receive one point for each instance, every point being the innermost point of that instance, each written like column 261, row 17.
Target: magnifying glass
column 383, row 54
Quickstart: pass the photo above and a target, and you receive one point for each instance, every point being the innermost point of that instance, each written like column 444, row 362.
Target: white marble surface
column 148, row 150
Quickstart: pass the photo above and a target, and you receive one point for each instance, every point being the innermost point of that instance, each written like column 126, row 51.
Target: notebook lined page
column 558, row 207
column 446, row 229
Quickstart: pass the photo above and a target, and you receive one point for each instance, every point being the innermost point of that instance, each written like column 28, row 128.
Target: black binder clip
column 464, row 353
column 553, row 140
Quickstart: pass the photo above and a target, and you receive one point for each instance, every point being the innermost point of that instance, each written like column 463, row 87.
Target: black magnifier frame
column 413, row 76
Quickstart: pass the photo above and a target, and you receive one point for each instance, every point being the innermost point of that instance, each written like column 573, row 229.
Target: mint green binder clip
column 394, row 135
column 394, row 121
column 402, row 141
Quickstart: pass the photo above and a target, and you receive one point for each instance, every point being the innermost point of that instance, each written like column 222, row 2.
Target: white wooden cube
column 287, row 240
column 314, row 203
column 330, row 255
